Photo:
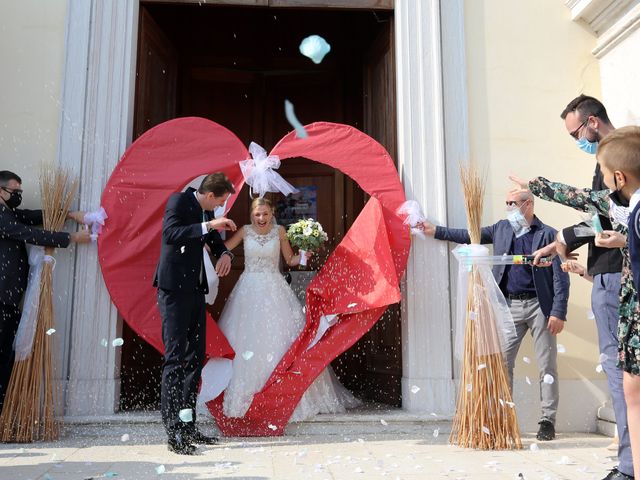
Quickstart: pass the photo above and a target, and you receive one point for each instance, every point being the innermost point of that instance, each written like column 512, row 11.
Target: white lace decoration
column 260, row 174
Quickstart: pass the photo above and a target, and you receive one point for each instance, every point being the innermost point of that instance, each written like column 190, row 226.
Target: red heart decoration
column 358, row 281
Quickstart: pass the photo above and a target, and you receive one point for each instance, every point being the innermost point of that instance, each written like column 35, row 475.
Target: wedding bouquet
column 307, row 235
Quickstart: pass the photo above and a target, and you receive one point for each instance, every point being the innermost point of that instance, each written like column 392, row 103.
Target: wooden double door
column 211, row 63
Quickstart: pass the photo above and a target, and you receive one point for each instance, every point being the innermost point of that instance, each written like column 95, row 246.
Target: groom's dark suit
column 182, row 283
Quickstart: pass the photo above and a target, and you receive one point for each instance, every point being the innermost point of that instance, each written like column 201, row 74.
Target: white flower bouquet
column 307, row 235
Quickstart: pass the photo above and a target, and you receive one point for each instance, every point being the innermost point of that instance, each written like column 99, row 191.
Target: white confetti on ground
column 534, row 447
column 117, row 342
column 564, row 460
column 548, row 379
column 528, row 380
column 51, row 331
column 561, row 348
column 247, row 355
column 599, row 369
column 186, row 415
column 124, row 438
column 160, row 469
column 415, row 389
column 526, row 359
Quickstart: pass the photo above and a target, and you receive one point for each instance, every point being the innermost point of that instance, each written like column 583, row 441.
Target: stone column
column 96, row 126
column 432, row 141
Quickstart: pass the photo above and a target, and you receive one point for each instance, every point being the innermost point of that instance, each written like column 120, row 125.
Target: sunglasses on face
column 12, row 190
column 575, row 133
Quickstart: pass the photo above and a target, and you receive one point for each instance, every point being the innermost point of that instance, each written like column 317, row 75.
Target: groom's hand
column 222, row 223
column 223, row 265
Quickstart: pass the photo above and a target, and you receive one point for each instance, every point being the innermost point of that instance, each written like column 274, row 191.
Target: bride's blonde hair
column 257, row 202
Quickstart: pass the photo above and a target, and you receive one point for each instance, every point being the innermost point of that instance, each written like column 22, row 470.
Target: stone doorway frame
column 96, row 127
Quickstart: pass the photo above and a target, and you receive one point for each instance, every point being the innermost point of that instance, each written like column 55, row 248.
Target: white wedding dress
column 261, row 319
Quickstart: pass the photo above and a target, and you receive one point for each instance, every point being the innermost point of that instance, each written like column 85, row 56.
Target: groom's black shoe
column 202, row 439
column 180, row 445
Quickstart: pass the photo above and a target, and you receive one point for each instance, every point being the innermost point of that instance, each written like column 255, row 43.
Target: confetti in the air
column 436, row 432
column 526, row 359
column 534, row 447
column 528, row 380
column 273, row 427
column 548, row 379
column 117, row 342
column 486, row 431
column 603, row 358
column 247, row 355
column 383, row 422
column 160, row 469
column 104, row 342
column 314, row 47
column 186, row 415
column 51, row 331
column 481, row 366
column 124, row 438
column 415, row 389
column 599, row 368
column 469, row 387
column 561, row 348
column 293, row 120
column 590, row 315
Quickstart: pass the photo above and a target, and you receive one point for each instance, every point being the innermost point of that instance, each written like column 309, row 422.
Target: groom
column 181, row 280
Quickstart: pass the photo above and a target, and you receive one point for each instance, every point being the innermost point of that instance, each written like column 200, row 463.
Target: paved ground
column 138, row 452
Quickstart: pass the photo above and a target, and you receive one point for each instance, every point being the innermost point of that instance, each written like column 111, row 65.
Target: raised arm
column 285, row 247
column 583, row 199
column 235, row 240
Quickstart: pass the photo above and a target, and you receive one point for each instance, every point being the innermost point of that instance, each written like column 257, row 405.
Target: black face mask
column 15, row 198
column 616, row 197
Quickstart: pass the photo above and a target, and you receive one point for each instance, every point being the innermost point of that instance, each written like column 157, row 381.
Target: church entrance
column 236, row 65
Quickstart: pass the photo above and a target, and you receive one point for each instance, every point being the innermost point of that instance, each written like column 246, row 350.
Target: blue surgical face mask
column 518, row 222
column 587, row 146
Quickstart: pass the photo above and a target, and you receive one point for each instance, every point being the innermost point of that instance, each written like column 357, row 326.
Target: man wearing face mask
column 537, row 296
column 587, row 122
column 16, row 230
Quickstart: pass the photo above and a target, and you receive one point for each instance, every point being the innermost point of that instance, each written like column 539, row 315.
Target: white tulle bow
column 96, row 220
column 414, row 216
column 260, row 174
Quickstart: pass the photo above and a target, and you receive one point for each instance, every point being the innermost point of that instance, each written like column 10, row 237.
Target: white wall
column 526, row 61
column 32, row 57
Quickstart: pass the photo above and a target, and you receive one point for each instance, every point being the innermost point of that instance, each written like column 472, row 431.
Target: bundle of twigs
column 485, row 414
column 28, row 414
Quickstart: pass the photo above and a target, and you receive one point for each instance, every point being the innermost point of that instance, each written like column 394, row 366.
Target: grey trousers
column 528, row 316
column 604, row 303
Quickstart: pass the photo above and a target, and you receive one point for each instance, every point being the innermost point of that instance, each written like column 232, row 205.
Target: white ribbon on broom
column 488, row 289
column 23, row 343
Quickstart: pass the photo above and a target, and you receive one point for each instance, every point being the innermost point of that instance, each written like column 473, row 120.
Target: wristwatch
column 227, row 252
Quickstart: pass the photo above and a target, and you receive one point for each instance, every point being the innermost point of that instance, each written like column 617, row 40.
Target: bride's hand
column 308, row 255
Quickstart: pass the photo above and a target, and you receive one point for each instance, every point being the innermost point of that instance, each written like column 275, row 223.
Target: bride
column 262, row 318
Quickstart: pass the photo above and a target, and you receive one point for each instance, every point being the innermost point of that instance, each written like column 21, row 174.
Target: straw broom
column 28, row 413
column 485, row 414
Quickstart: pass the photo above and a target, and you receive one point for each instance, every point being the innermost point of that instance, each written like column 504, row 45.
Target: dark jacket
column 551, row 283
column 599, row 259
column 182, row 242
column 16, row 230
